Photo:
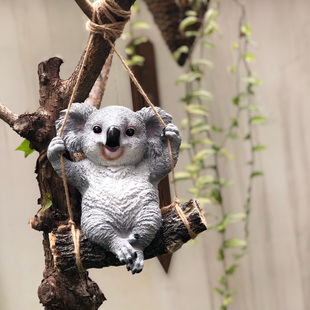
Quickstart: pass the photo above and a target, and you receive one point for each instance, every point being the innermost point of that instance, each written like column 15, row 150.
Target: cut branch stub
column 169, row 239
column 168, row 16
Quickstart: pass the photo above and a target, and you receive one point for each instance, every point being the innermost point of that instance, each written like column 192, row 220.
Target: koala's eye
column 97, row 129
column 130, row 132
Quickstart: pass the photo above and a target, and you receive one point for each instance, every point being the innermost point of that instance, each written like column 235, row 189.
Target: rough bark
column 169, row 239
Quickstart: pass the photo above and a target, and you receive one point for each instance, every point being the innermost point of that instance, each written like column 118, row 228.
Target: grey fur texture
column 127, row 155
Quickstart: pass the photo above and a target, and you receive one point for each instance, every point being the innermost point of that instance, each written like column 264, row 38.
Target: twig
column 97, row 92
column 7, row 115
column 86, row 7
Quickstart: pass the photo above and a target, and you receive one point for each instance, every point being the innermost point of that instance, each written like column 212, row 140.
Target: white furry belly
column 118, row 202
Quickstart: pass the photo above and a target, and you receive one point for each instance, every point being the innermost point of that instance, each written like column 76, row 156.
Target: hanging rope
column 110, row 31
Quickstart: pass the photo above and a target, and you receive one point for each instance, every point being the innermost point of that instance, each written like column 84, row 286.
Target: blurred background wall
column 275, row 274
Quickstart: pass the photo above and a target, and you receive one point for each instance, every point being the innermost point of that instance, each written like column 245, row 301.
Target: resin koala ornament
column 126, row 156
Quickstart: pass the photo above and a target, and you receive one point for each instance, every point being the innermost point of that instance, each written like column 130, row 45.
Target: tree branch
column 7, row 115
column 86, row 7
column 99, row 51
column 97, row 92
column 170, row 238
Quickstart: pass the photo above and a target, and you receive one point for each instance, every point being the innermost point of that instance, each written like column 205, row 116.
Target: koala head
column 111, row 136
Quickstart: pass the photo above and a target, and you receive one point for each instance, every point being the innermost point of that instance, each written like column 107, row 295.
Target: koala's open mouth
column 112, row 149
column 111, row 153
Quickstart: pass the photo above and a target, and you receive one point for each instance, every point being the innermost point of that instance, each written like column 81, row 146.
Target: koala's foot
column 137, row 264
column 125, row 253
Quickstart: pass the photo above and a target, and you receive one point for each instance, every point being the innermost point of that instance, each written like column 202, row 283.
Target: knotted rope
column 110, row 31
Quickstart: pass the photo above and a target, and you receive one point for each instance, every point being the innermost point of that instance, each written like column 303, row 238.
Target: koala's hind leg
column 105, row 235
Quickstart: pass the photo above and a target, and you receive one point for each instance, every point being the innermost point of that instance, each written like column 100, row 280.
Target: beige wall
column 275, row 274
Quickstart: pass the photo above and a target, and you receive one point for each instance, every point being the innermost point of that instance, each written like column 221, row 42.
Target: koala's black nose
column 113, row 135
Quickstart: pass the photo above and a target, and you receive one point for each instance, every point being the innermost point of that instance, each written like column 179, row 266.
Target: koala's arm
column 75, row 172
column 159, row 156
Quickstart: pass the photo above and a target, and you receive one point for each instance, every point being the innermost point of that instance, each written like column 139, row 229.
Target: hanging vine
column 205, row 152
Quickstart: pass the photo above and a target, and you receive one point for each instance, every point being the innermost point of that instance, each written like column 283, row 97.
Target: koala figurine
column 126, row 156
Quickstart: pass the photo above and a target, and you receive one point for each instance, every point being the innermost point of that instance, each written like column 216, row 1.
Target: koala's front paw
column 56, row 146
column 171, row 131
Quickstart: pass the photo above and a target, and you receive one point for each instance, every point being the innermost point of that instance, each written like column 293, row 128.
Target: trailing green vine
column 205, row 154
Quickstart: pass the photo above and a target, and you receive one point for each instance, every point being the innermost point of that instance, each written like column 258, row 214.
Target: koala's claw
column 126, row 254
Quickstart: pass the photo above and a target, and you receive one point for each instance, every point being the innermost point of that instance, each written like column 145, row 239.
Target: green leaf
column 222, row 280
column 204, row 180
column 197, row 109
column 139, row 40
column 192, row 168
column 198, row 94
column 203, row 62
column 136, row 60
column 252, row 80
column 232, row 69
column 130, row 50
column 216, row 195
column 216, row 129
column 256, row 174
column 200, row 156
column 231, row 269
column 24, row 147
column 236, row 100
column 228, row 219
column 140, row 24
column 220, row 254
column 234, row 243
column 257, row 120
column 245, row 29
column 208, row 44
column 234, row 122
column 227, row 301
column 210, row 28
column 191, row 13
column 251, row 107
column 180, row 176
column 219, row 291
column 186, row 22
column 185, row 146
column 200, row 128
column 235, row 45
column 233, row 135
column 48, row 202
column 247, row 137
column 258, row 148
column 248, row 57
column 181, row 50
column 191, row 33
column 189, row 77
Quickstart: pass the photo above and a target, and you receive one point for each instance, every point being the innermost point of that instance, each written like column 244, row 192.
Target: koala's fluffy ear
column 73, row 130
column 154, row 128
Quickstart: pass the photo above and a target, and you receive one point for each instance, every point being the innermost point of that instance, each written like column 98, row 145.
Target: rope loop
column 111, row 10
